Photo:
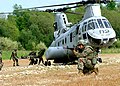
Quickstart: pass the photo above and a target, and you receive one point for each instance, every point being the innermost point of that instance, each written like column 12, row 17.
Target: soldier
column 14, row 57
column 86, row 58
column 32, row 57
column 40, row 54
column 1, row 63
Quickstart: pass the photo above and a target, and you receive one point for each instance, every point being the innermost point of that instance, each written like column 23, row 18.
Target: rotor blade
column 81, row 2
column 53, row 5
column 74, row 13
column 6, row 13
column 61, row 9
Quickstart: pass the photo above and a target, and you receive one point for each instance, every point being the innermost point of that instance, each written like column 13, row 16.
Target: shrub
column 40, row 45
column 116, row 44
column 8, row 44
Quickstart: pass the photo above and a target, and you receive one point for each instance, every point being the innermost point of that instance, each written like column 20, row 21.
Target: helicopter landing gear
column 47, row 63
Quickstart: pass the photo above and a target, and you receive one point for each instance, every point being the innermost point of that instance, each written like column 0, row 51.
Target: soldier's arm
column 75, row 52
column 87, row 52
column 78, row 54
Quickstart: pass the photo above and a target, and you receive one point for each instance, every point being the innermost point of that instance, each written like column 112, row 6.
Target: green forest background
column 31, row 29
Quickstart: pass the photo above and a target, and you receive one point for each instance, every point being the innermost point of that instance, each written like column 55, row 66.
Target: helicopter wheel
column 49, row 63
column 46, row 63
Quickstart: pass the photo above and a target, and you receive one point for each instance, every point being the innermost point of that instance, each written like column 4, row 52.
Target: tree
column 39, row 24
column 113, row 16
column 27, row 39
column 75, row 18
column 111, row 5
column 8, row 29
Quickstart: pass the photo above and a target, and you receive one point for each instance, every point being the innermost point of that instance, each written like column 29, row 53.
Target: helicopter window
column 58, row 43
column 100, row 23
column 65, row 40
column 64, row 20
column 77, row 29
column 85, row 23
column 70, row 37
column 96, row 25
column 83, row 29
column 84, row 36
column 106, row 23
column 91, row 26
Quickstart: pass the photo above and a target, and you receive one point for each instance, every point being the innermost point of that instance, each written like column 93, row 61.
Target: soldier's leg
column 42, row 61
column 16, row 62
column 80, row 65
column 96, row 71
column 13, row 62
column 39, row 60
column 35, row 61
column 32, row 61
column 1, row 65
column 88, row 64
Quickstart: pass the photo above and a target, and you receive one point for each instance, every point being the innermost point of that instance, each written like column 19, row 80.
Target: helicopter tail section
column 61, row 24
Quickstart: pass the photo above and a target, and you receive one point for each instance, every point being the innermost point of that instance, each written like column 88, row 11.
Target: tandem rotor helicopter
column 95, row 29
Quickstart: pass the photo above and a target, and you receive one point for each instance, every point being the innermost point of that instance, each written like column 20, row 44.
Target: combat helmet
column 81, row 42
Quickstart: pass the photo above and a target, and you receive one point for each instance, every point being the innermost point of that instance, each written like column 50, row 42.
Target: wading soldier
column 14, row 57
column 1, row 63
column 86, row 58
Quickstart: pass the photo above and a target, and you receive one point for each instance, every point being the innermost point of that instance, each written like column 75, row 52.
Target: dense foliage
column 32, row 29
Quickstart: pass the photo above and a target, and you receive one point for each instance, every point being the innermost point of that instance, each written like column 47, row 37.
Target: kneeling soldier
column 86, row 58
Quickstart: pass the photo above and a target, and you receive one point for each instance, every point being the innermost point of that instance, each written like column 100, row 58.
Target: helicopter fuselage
column 95, row 30
column 88, row 30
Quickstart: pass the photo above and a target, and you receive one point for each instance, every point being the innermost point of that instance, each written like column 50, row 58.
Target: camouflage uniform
column 40, row 54
column 32, row 57
column 1, row 63
column 86, row 58
column 14, row 57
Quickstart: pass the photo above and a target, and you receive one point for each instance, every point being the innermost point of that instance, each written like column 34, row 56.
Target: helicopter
column 94, row 29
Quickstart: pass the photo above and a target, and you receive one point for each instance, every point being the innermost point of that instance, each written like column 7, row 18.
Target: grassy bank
column 110, row 51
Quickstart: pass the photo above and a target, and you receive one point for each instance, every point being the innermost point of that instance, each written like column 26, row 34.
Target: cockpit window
column 92, row 24
column 106, row 23
column 100, row 23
